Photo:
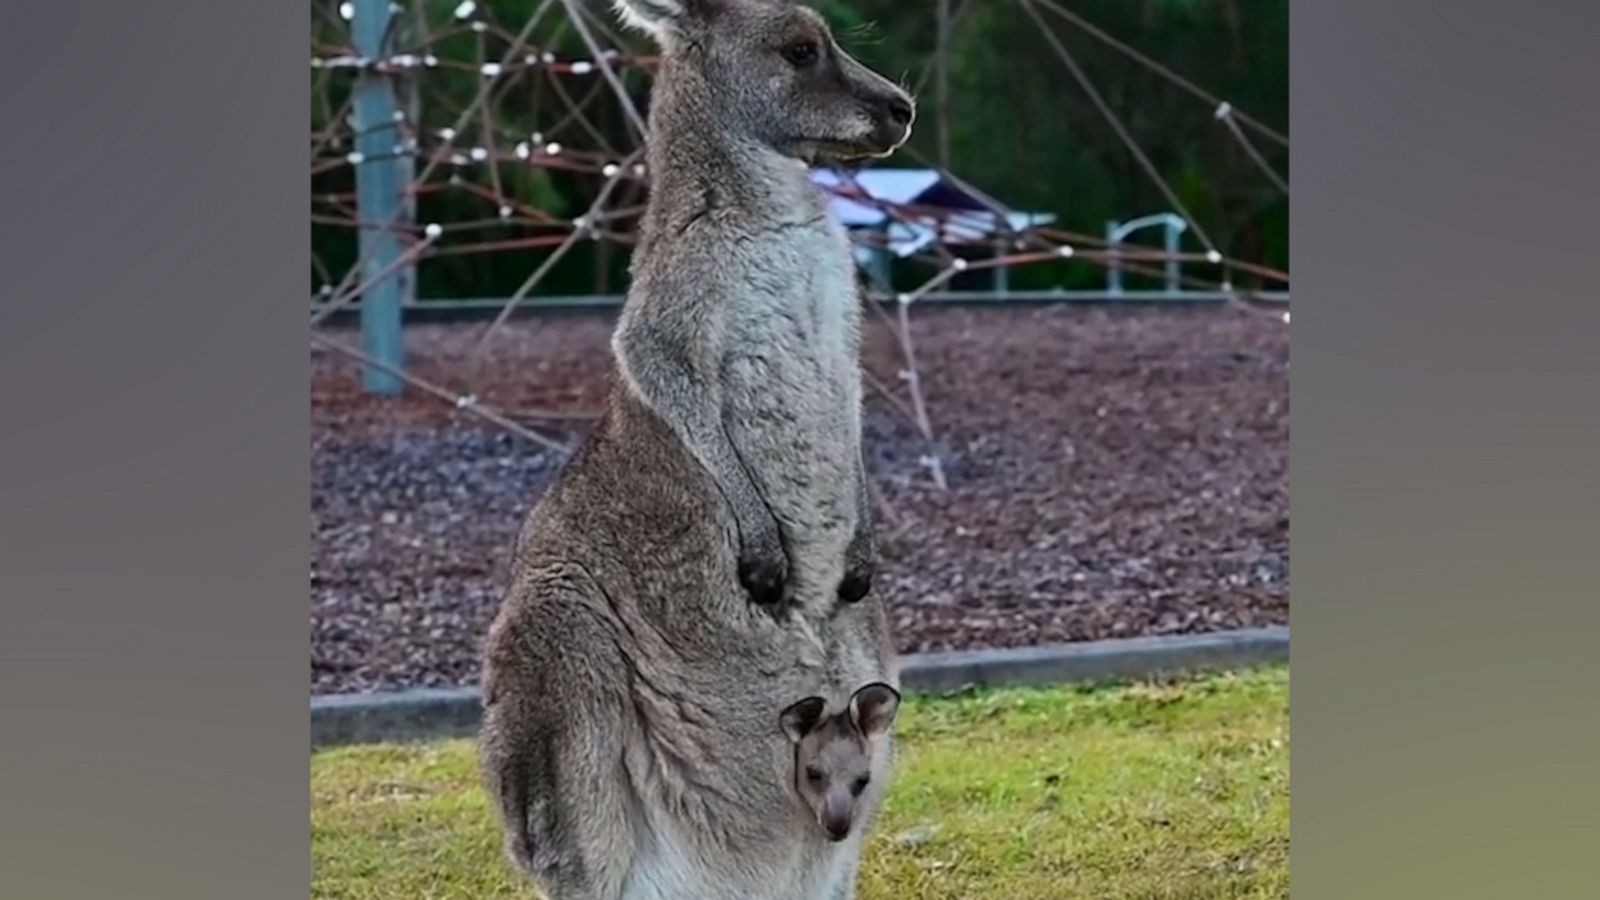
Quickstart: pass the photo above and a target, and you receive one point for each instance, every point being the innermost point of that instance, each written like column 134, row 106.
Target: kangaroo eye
column 802, row 53
column 813, row 775
column 859, row 785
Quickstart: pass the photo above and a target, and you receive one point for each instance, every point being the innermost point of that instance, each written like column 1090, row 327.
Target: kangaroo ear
column 873, row 707
column 660, row 17
column 798, row 720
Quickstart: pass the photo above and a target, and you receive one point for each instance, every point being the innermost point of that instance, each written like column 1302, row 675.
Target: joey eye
column 859, row 785
column 813, row 774
column 802, row 53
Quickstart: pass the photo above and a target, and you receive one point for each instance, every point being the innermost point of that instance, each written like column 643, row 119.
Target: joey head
column 836, row 757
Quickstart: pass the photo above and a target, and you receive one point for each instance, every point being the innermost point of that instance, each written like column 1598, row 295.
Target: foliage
column 1022, row 128
column 1175, row 790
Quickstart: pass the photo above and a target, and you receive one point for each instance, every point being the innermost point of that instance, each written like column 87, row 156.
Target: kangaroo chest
column 795, row 348
column 799, row 317
column 793, row 382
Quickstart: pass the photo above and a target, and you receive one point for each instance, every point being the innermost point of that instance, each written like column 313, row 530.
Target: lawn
column 1177, row 790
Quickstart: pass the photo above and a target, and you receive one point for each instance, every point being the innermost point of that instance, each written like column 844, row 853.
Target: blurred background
column 1077, row 342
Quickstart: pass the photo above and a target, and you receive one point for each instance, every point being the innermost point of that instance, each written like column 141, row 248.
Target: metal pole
column 1174, row 233
column 380, row 199
column 1002, row 249
column 879, row 260
column 1113, row 270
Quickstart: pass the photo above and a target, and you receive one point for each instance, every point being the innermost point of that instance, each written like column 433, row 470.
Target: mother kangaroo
column 706, row 558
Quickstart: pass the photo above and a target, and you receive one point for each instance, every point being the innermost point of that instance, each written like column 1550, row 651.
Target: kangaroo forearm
column 861, row 555
column 694, row 415
column 708, row 441
column 763, row 560
column 691, row 405
column 863, row 502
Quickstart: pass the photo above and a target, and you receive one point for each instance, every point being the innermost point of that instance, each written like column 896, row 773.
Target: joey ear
column 873, row 707
column 798, row 720
column 661, row 18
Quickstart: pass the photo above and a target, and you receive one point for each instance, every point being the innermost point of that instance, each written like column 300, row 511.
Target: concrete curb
column 454, row 712
column 1126, row 658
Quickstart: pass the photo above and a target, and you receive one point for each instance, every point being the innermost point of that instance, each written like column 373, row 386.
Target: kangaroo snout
column 837, row 811
column 901, row 110
column 892, row 113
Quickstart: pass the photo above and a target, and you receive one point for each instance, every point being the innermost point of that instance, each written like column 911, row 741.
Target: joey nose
column 836, row 813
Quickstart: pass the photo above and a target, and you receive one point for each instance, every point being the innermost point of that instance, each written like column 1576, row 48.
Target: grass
column 1138, row 791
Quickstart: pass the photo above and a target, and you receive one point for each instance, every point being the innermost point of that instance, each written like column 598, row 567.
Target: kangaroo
column 743, row 329
column 706, row 556
column 838, row 758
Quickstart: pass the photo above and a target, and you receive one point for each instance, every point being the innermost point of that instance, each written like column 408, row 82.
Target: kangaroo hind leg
column 551, row 747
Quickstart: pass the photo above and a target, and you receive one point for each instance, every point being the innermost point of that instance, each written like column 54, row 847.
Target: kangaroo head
column 833, row 754
column 771, row 72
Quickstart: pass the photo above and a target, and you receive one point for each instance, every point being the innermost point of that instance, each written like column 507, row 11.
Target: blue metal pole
column 380, row 199
column 1113, row 269
column 1002, row 272
column 879, row 260
column 1174, row 232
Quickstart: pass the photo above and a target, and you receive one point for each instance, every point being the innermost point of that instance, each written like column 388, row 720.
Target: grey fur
column 629, row 681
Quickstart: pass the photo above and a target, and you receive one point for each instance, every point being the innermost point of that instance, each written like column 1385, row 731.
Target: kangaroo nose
column 901, row 110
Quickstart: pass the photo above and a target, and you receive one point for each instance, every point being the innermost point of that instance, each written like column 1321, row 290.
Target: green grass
column 1142, row 791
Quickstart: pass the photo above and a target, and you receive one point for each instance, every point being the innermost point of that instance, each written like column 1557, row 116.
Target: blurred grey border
column 153, row 378
column 153, row 501
column 1443, row 448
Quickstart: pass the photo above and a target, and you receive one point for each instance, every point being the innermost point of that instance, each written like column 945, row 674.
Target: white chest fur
column 794, row 390
column 801, row 304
